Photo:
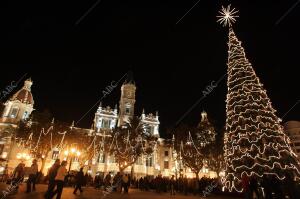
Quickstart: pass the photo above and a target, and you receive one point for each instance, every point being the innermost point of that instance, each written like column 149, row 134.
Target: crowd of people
column 182, row 185
column 159, row 184
column 58, row 177
column 271, row 186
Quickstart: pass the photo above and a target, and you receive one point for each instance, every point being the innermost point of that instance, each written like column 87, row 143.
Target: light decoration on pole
column 255, row 143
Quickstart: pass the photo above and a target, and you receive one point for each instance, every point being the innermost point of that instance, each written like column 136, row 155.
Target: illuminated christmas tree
column 254, row 143
column 205, row 131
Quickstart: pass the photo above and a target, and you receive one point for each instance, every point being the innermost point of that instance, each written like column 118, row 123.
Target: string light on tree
column 255, row 144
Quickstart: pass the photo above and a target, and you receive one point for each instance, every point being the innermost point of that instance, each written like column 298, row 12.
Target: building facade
column 292, row 129
column 163, row 161
column 17, row 108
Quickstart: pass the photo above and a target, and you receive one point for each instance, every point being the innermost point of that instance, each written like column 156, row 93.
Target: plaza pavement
column 93, row 193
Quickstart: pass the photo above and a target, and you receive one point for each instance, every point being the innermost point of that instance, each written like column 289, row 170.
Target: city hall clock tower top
column 127, row 100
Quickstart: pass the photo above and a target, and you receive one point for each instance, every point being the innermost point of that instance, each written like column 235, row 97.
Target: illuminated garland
column 255, row 143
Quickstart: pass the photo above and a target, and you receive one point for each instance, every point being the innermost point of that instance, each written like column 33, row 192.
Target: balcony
column 8, row 120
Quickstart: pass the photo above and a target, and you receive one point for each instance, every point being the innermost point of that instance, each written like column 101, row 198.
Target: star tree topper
column 228, row 15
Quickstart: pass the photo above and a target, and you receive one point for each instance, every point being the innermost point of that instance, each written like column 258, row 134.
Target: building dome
column 24, row 95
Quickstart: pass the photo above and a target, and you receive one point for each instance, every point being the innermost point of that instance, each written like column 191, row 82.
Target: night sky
column 71, row 64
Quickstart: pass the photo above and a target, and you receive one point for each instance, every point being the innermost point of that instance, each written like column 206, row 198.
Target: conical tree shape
column 254, row 141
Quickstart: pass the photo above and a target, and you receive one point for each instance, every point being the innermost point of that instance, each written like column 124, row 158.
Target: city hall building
column 162, row 161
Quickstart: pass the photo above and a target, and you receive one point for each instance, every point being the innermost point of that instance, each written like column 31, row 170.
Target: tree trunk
column 132, row 170
column 197, row 175
column 44, row 162
column 43, row 165
column 121, row 169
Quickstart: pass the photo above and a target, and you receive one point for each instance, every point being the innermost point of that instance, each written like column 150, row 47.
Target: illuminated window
column 139, row 161
column 106, row 124
column 25, row 115
column 102, row 158
column 149, row 162
column 55, row 155
column 127, row 108
column 14, row 112
column 151, row 129
column 111, row 159
column 99, row 123
column 166, row 164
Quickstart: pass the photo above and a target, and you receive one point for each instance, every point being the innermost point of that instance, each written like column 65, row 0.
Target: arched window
column 127, row 108
column 25, row 115
column 106, row 123
column 14, row 112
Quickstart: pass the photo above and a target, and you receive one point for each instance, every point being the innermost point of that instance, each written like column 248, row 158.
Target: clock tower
column 127, row 101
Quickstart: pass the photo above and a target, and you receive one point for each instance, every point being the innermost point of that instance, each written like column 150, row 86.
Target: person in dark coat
column 107, row 182
column 245, row 185
column 79, row 181
column 291, row 186
column 125, row 182
column 32, row 176
column 267, row 185
column 253, row 186
column 172, row 185
column 18, row 175
column 51, row 176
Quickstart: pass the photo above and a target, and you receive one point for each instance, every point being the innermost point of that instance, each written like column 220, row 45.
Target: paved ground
column 93, row 193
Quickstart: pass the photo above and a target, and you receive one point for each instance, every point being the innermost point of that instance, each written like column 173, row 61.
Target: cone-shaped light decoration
column 254, row 143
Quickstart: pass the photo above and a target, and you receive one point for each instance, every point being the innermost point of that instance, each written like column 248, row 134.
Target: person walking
column 267, row 185
column 18, row 175
column 51, row 177
column 172, row 185
column 32, row 176
column 60, row 179
column 107, row 181
column 117, row 182
column 253, row 186
column 125, row 182
column 185, row 185
column 79, row 181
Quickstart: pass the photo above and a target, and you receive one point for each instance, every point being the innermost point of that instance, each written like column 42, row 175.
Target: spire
column 73, row 124
column 27, row 84
column 129, row 78
column 203, row 116
column 143, row 114
column 92, row 126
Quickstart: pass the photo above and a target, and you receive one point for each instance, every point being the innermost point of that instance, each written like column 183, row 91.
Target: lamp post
column 72, row 153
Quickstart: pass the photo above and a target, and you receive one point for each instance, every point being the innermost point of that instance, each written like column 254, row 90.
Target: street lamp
column 72, row 153
column 23, row 156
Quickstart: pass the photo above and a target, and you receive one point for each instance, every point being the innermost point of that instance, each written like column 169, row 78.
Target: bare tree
column 131, row 141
